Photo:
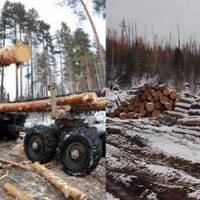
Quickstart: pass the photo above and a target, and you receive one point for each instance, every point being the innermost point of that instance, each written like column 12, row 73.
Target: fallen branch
column 14, row 163
column 15, row 192
column 66, row 189
column 5, row 175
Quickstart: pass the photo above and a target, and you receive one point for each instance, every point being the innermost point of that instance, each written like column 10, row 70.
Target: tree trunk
column 99, row 47
column 72, row 73
column 82, row 102
column 31, row 46
column 67, row 190
column 17, row 83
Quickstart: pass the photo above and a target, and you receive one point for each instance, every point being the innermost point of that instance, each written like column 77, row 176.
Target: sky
column 52, row 13
column 161, row 16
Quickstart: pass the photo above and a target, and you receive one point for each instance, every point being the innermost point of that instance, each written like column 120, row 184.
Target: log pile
column 189, row 106
column 82, row 102
column 146, row 101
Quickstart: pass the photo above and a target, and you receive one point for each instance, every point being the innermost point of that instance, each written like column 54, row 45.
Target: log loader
column 77, row 146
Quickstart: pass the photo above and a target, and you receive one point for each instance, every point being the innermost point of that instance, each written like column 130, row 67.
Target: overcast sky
column 53, row 14
column 162, row 15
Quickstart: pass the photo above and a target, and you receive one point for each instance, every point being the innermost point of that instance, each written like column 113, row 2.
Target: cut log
column 166, row 91
column 86, row 101
column 132, row 115
column 149, row 106
column 194, row 112
column 186, row 100
column 183, row 105
column 172, row 94
column 168, row 106
column 14, row 54
column 15, row 192
column 156, row 114
column 195, row 105
column 123, row 115
column 186, row 132
column 130, row 107
column 189, row 121
column 178, row 115
column 182, row 110
column 153, row 92
column 62, row 186
column 164, row 99
column 14, row 163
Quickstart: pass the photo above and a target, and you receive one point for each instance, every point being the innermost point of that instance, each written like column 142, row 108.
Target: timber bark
column 62, row 186
column 15, row 192
column 15, row 54
column 99, row 48
column 82, row 102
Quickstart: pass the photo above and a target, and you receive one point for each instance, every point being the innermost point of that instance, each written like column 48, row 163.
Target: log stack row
column 81, row 102
column 189, row 106
column 146, row 101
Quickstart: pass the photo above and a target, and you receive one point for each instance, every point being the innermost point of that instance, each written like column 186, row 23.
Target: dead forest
column 132, row 58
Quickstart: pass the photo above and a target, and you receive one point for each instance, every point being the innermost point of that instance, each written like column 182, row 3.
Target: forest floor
column 40, row 189
column 147, row 160
column 93, row 185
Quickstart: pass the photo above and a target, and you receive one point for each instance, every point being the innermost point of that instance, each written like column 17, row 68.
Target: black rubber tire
column 48, row 142
column 90, row 146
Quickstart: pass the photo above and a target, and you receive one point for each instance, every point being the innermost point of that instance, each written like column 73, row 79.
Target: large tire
column 89, row 149
column 40, row 144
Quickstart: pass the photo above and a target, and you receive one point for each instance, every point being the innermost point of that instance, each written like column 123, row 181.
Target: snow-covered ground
column 148, row 160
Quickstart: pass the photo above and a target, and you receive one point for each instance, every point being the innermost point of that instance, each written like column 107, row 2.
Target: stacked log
column 191, row 122
column 82, row 102
column 148, row 100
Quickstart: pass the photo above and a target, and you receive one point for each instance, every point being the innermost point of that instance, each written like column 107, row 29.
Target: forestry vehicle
column 77, row 146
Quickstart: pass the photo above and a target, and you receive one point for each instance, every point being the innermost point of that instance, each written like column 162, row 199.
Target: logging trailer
column 77, row 146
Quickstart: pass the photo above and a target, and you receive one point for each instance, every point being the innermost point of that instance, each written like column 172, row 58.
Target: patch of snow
column 124, row 178
column 110, row 197
column 152, row 196
column 170, row 143
column 38, row 119
column 195, row 195
column 170, row 173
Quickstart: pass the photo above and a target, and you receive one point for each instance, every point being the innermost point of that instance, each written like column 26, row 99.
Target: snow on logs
column 148, row 100
column 14, row 54
column 81, row 102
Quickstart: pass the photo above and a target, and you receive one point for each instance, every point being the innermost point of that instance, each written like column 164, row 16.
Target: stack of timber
column 190, row 123
column 182, row 107
column 145, row 101
column 82, row 102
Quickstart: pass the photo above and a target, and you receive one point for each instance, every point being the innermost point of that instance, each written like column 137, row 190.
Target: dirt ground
column 40, row 189
column 148, row 161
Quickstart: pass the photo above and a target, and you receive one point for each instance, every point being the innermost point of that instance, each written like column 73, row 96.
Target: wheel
column 40, row 144
column 80, row 152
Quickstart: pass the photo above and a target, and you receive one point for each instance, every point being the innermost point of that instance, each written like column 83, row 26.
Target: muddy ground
column 40, row 189
column 147, row 160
